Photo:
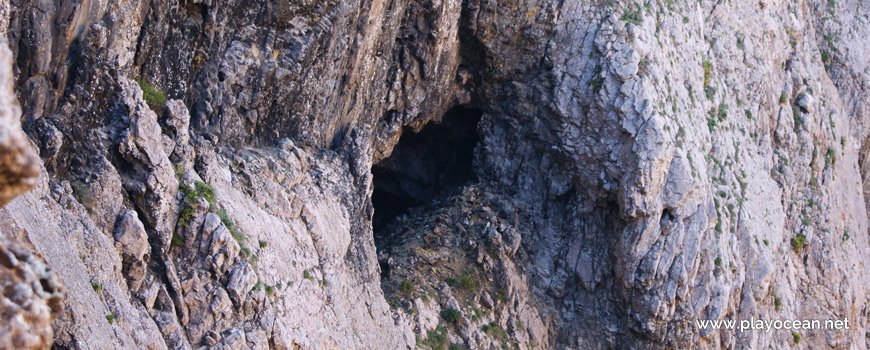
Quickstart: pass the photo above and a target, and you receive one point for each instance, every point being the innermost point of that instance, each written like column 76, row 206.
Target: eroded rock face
column 635, row 167
column 31, row 294
column 19, row 165
column 32, row 298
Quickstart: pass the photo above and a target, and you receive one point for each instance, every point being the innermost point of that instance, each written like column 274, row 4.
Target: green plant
column 830, row 157
column 796, row 336
column 467, row 283
column 306, row 274
column 110, row 318
column 450, row 315
column 797, row 243
column 782, row 98
column 263, row 244
column 633, row 14
column 709, row 92
column 185, row 216
column 230, row 225
column 718, row 261
column 494, row 330
column 436, row 339
column 596, row 84
column 406, row 287
column 452, row 282
column 796, row 115
column 708, row 72
column 153, row 97
column 82, row 192
column 179, row 170
column 711, row 124
column 257, row 287
column 723, row 111
column 501, row 294
column 97, row 286
column 777, row 303
column 177, row 240
column 269, row 290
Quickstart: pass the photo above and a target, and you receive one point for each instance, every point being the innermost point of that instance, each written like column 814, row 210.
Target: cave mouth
column 423, row 167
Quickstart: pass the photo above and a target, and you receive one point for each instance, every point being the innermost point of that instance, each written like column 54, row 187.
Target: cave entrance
column 422, row 167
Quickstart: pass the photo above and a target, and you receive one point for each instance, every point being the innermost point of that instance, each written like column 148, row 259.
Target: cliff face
column 398, row 174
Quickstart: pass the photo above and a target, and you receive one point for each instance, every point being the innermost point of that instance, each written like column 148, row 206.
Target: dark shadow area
column 422, row 167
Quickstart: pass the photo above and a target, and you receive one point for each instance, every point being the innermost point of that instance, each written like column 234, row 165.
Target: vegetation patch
column 451, row 315
column 153, row 97
column 435, row 340
column 797, row 243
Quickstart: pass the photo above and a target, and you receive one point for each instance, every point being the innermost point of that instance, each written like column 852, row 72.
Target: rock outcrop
column 31, row 294
column 266, row 175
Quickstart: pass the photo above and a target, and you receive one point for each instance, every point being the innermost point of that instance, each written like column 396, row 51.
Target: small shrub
column 436, row 339
column 708, row 72
column 97, row 286
column 633, row 15
column 796, row 115
column 110, row 318
column 830, row 157
column 782, row 98
column 723, row 111
column 185, row 216
column 797, row 243
column 711, row 124
column 494, row 330
column 257, row 287
column 596, row 84
column 82, row 192
column 718, row 261
column 263, row 244
column 153, row 97
column 269, row 290
column 246, row 252
column 467, row 283
column 450, row 315
column 306, row 274
column 179, row 170
column 406, row 287
column 796, row 336
column 777, row 303
column 177, row 240
column 452, row 282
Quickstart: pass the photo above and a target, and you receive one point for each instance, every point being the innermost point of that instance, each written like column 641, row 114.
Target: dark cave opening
column 423, row 167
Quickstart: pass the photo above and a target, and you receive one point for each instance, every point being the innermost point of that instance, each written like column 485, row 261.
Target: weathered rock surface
column 635, row 167
column 31, row 293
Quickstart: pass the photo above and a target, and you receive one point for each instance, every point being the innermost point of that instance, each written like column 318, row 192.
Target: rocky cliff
column 391, row 174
